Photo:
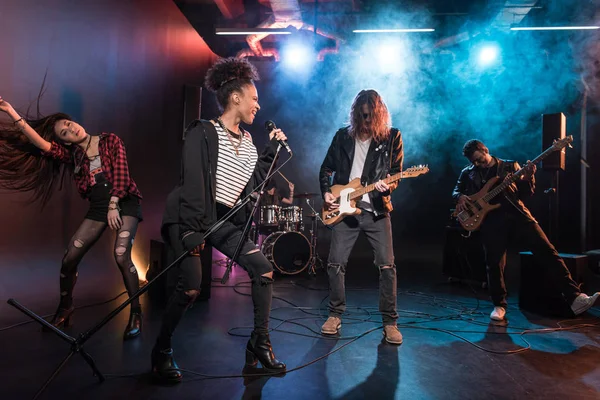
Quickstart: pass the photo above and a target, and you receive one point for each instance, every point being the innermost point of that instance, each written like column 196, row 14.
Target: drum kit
column 286, row 246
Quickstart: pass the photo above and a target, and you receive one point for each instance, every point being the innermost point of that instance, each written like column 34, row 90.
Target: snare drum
column 291, row 219
column 270, row 215
column 289, row 252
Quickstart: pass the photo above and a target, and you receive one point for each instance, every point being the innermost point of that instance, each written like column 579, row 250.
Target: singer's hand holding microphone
column 278, row 134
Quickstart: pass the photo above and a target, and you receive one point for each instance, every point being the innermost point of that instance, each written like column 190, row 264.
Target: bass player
column 512, row 220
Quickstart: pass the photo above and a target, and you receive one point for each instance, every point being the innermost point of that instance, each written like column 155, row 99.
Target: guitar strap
column 502, row 172
column 393, row 134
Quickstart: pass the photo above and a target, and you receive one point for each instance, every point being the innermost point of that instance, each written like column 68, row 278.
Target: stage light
column 297, row 56
column 488, row 55
column 553, row 28
column 407, row 30
column 388, row 57
column 140, row 265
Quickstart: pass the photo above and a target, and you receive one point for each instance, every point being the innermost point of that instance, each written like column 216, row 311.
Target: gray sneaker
column 331, row 326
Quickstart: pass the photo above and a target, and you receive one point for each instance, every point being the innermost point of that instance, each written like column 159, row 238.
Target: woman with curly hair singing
column 220, row 164
column 37, row 154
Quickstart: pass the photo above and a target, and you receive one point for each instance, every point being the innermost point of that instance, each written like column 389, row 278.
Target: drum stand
column 315, row 260
column 259, row 193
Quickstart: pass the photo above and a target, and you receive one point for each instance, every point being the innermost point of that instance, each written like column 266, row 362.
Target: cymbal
column 305, row 195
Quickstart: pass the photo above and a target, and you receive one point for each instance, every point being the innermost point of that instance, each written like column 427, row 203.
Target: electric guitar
column 479, row 206
column 347, row 195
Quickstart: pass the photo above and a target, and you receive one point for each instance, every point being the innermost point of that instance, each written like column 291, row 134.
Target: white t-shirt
column 358, row 163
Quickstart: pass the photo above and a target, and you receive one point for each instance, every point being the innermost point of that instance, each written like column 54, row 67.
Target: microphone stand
column 261, row 190
column 76, row 344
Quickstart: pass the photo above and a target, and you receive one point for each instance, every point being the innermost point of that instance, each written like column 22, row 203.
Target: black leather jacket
column 382, row 159
column 470, row 182
column 192, row 204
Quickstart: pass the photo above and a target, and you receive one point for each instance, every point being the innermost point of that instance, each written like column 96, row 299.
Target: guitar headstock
column 559, row 144
column 416, row 170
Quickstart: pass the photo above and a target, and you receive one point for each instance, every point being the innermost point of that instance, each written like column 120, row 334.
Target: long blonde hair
column 381, row 120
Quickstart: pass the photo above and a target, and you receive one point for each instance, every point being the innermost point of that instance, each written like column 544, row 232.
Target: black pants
column 225, row 240
column 379, row 233
column 496, row 231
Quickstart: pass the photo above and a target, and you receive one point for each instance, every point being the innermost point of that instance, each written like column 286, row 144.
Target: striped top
column 233, row 171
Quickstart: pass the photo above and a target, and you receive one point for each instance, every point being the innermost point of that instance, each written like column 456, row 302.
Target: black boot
column 62, row 317
column 134, row 326
column 164, row 367
column 259, row 349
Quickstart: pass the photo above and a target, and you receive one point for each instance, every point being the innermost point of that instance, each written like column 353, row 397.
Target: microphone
column 269, row 126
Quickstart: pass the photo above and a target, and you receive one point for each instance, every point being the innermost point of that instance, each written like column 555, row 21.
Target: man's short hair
column 472, row 146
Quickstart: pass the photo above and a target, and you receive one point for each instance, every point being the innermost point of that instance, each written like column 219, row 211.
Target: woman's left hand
column 278, row 134
column 114, row 219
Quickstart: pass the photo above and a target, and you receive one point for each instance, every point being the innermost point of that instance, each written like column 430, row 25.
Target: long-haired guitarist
column 369, row 149
column 512, row 220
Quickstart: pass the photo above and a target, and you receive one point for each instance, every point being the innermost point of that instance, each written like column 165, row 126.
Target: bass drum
column 289, row 252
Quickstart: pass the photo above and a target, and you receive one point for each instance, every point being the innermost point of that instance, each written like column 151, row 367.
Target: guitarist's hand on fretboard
column 381, row 186
column 529, row 170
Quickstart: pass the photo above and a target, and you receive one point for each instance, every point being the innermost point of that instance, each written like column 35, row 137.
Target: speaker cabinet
column 594, row 260
column 554, row 126
column 464, row 258
column 537, row 294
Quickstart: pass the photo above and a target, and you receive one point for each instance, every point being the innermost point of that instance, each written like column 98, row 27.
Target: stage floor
column 450, row 349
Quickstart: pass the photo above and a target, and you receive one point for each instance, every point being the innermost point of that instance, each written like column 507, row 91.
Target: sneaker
column 392, row 334
column 583, row 302
column 498, row 313
column 331, row 326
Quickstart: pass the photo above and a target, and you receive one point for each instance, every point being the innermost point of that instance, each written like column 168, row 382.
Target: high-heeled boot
column 164, row 367
column 62, row 317
column 259, row 349
column 134, row 326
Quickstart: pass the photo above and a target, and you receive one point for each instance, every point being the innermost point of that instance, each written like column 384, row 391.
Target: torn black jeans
column 225, row 240
column 378, row 230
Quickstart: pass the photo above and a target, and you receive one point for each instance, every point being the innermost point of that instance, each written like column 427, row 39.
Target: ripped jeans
column 82, row 241
column 378, row 231
column 225, row 240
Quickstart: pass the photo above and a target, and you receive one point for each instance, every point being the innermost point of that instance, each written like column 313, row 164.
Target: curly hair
column 230, row 75
column 380, row 117
column 473, row 145
column 23, row 168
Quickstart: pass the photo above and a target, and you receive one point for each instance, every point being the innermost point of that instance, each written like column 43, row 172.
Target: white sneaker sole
column 586, row 307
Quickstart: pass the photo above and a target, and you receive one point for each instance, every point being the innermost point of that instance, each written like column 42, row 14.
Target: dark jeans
column 496, row 231
column 225, row 240
column 379, row 233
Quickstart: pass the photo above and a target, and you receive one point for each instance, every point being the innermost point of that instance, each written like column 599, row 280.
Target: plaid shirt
column 114, row 165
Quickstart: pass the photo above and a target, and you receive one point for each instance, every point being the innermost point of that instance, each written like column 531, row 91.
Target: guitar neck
column 369, row 188
column 517, row 175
